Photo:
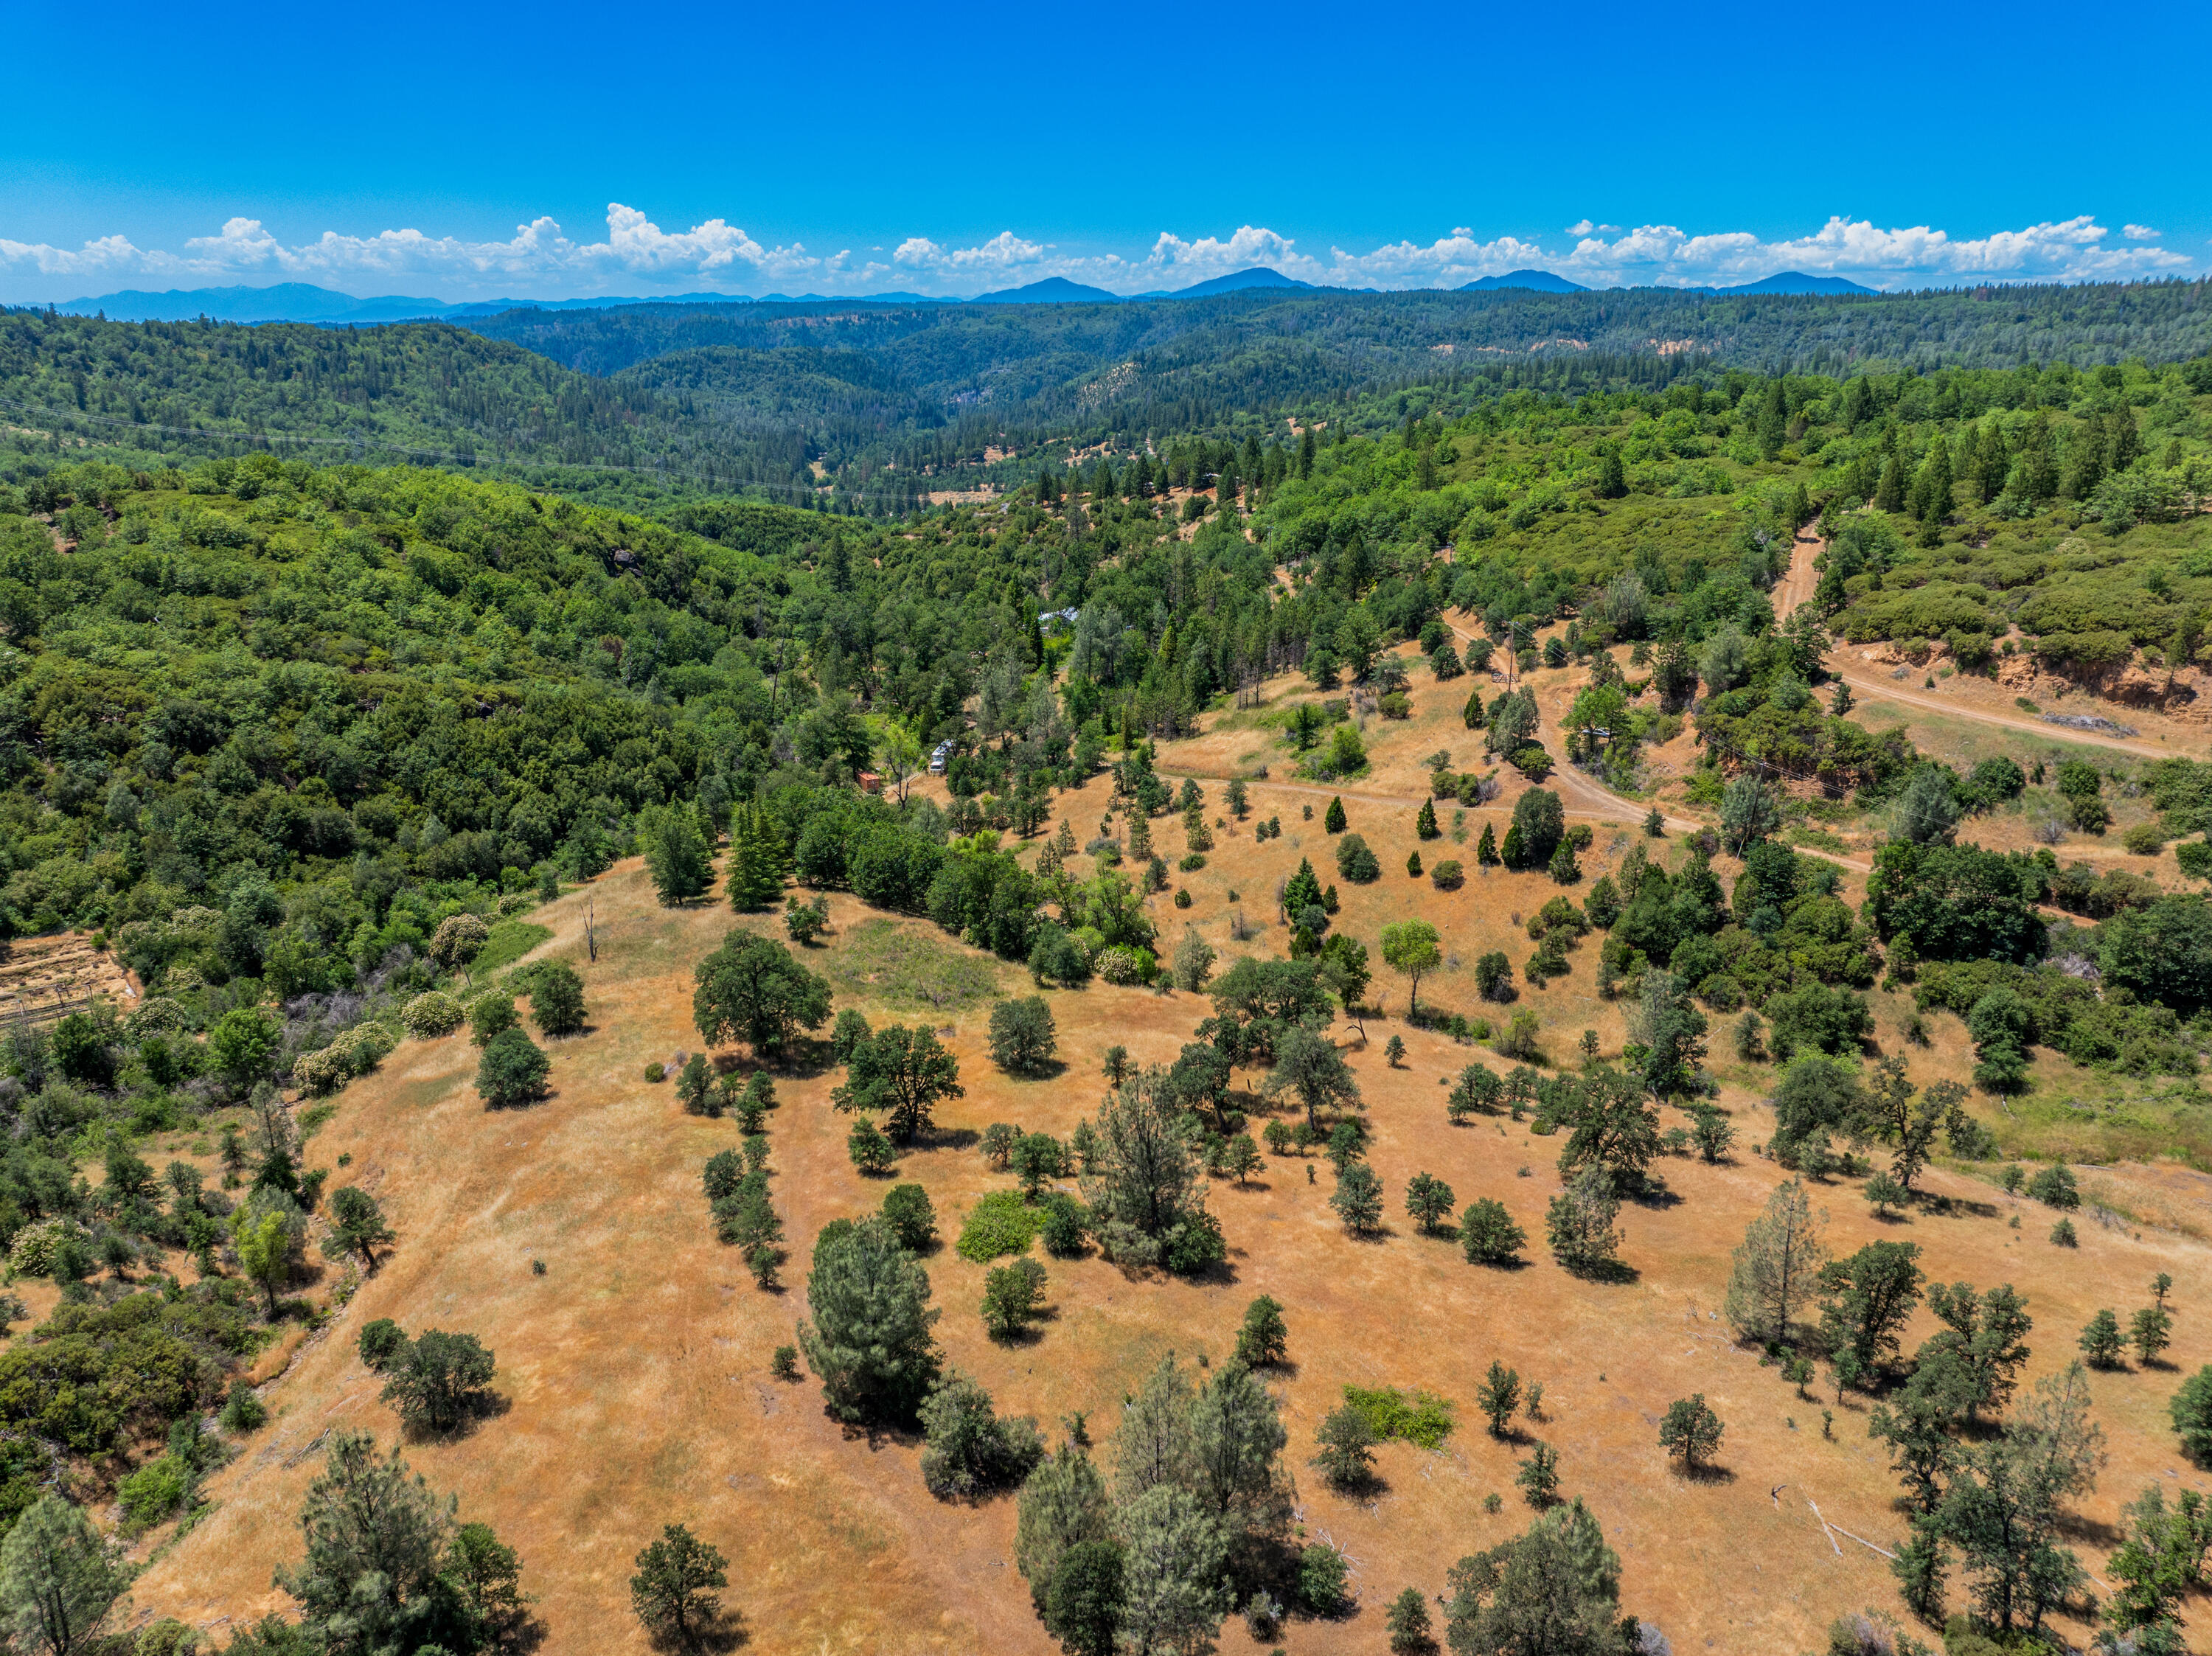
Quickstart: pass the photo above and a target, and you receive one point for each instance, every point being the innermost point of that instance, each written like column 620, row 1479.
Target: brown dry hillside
column 634, row 1373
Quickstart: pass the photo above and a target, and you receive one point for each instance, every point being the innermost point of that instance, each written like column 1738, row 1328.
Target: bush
column 1000, row 1224
column 1065, row 1225
column 511, row 1071
column 907, row 1210
column 432, row 1014
column 1323, row 1573
column 1448, row 876
column 1011, row 1294
column 967, row 1448
column 2192, row 1409
column 1487, row 1234
column 1023, row 1038
column 556, row 999
column 1356, row 861
column 2054, row 1187
column 380, row 1343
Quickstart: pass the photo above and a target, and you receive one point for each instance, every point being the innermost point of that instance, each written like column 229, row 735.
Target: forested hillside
column 869, row 408
column 422, row 393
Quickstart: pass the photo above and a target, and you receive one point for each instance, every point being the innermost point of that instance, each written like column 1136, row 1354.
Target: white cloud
column 637, row 254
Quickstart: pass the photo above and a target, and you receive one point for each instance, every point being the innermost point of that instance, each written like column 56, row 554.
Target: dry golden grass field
column 634, row 1373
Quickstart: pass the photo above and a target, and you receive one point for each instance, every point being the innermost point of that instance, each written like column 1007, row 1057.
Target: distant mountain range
column 299, row 301
column 1540, row 282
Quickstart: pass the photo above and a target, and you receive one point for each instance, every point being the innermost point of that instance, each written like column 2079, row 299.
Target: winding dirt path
column 1798, row 585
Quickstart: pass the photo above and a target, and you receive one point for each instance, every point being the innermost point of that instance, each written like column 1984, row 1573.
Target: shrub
column 1124, row 966
column 1421, row 1418
column 1065, row 1225
column 967, row 1448
column 2054, row 1187
column 907, row 1211
column 1356, row 861
column 432, row 1014
column 1000, row 1224
column 1487, row 1234
column 1011, row 1294
column 556, row 999
column 1448, row 876
column 511, row 1071
column 1323, row 1573
column 2191, row 1409
column 380, row 1342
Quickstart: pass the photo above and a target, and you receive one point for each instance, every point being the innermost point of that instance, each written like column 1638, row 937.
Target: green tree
column 61, row 1584
column 2101, row 1342
column 1311, row 1066
column 1345, row 1449
column 1357, row 1198
column 1022, row 1036
column 903, row 1073
column 872, row 1154
column 1263, row 1339
column 1411, row 949
column 510, row 1070
column 2191, row 1411
column 438, row 1379
column 376, row 1537
column 1776, row 1269
column 1011, row 1294
column 1579, row 1225
column 2151, row 1333
column 756, row 856
column 868, row 1340
column 677, row 856
column 357, row 1225
column 1690, row 1429
column 1555, row 1589
column 1538, row 1477
column 754, row 989
column 1870, row 1297
column 1064, row 1505
column 1429, row 1201
column 1488, row 1234
column 1333, row 820
column 1748, row 813
column 1499, row 1396
column 243, row 1043
column 676, row 1592
column 967, row 1448
column 264, row 1252
column 556, row 999
column 1084, row 1609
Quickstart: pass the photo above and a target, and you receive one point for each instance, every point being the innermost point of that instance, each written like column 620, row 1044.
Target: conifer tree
column 1424, row 825
column 756, row 882
column 1471, row 714
column 1485, row 849
column 1333, row 821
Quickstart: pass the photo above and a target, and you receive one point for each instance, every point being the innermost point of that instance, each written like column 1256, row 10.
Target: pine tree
column 1511, row 852
column 1424, row 825
column 1333, row 821
column 755, row 882
column 1889, row 492
column 1485, row 849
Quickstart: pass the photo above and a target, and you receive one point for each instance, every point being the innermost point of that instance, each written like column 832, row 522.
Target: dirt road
column 1798, row 585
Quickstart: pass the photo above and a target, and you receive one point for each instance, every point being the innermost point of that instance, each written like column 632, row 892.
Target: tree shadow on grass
column 949, row 1138
column 480, row 1407
column 726, row 1633
column 1708, row 1474
column 1614, row 1272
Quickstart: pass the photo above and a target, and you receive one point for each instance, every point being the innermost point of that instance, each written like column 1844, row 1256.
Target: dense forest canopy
column 871, row 407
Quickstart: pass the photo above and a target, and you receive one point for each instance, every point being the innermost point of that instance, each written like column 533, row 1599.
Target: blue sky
column 460, row 152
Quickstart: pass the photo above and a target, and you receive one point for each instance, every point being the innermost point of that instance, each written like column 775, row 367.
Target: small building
column 871, row 783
